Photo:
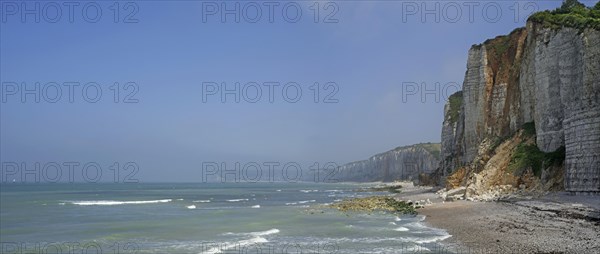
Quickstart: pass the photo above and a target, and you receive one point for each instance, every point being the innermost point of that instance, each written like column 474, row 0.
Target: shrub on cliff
column 455, row 100
column 571, row 13
column 530, row 156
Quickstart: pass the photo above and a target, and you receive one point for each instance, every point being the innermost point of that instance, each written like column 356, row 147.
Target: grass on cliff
column 571, row 13
column 433, row 148
column 500, row 44
column 530, row 156
column 528, row 131
column 455, row 100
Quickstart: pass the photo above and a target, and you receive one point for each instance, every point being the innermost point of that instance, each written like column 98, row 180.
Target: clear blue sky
column 170, row 52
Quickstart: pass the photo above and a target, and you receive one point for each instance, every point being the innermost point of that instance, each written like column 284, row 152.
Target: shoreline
column 554, row 223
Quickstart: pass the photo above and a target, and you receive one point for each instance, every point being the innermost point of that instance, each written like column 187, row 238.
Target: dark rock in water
column 375, row 203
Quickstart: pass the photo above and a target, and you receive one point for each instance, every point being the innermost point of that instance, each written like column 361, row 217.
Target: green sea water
column 201, row 218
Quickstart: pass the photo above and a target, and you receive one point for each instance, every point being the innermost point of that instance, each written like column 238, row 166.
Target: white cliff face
column 566, row 81
column 451, row 151
column 403, row 163
column 473, row 101
column 549, row 76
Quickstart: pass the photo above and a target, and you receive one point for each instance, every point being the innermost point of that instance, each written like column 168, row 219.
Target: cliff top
column 572, row 13
column 432, row 148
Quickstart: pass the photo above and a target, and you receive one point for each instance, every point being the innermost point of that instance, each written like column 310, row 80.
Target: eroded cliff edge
column 528, row 99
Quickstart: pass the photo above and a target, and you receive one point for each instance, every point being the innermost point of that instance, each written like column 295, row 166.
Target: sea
column 202, row 218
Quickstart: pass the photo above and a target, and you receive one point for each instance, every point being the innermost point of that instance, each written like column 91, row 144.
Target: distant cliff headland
column 401, row 163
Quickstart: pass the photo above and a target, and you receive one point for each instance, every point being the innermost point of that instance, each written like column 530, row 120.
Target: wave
column 191, row 207
column 237, row 200
column 257, row 233
column 255, row 206
column 237, row 244
column 301, row 202
column 421, row 240
column 257, row 237
column 113, row 202
column 267, row 232
column 201, row 201
column 401, row 229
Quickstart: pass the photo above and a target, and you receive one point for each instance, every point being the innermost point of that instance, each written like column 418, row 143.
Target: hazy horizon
column 165, row 116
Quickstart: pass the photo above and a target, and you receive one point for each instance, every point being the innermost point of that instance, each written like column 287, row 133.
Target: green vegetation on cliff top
column 433, row 148
column 571, row 13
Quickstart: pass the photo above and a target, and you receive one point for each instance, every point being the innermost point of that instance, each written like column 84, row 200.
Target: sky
column 164, row 69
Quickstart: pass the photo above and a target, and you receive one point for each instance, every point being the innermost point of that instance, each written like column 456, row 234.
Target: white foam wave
column 255, row 206
column 428, row 239
column 258, row 233
column 113, row 202
column 237, row 200
column 267, row 232
column 401, row 229
column 191, row 207
column 306, row 201
column 237, row 244
column 201, row 201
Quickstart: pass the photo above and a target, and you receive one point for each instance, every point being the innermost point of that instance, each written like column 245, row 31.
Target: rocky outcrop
column 537, row 74
column 402, row 163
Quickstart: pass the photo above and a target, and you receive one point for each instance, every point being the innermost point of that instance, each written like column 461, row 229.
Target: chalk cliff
column 540, row 74
column 402, row 163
